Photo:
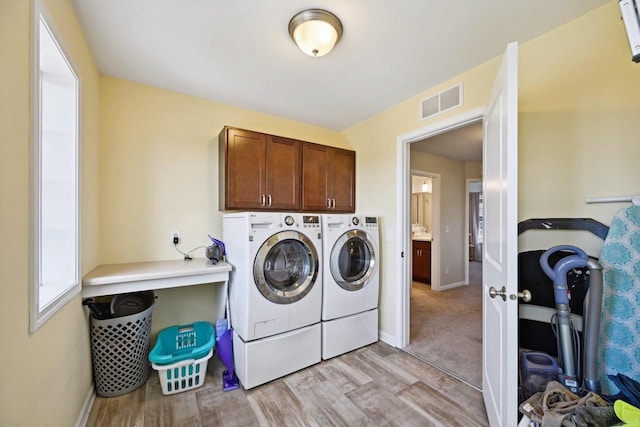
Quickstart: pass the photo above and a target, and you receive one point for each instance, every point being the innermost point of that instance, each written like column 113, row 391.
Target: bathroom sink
column 424, row 237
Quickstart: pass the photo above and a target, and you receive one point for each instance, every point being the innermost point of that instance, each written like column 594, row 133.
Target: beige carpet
column 446, row 327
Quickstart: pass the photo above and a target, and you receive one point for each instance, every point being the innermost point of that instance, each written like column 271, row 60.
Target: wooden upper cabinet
column 258, row 171
column 266, row 172
column 242, row 171
column 315, row 178
column 342, row 179
column 283, row 173
column 328, row 179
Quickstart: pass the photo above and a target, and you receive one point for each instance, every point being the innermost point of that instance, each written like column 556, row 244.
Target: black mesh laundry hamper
column 120, row 349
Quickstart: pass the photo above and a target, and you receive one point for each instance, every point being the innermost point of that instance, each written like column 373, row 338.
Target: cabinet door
column 328, row 179
column 315, row 191
column 427, row 262
column 283, row 173
column 244, row 183
column 342, row 180
column 421, row 261
column 416, row 261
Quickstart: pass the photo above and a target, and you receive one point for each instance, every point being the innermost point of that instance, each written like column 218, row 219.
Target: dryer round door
column 286, row 267
column 353, row 260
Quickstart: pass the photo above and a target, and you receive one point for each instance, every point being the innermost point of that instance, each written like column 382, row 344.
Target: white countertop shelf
column 112, row 279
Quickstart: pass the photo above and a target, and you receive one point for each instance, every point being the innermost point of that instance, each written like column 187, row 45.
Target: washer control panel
column 311, row 221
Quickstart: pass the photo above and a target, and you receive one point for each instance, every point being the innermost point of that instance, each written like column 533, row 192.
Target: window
column 55, row 231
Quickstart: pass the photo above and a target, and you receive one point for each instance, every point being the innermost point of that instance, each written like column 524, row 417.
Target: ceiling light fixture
column 315, row 31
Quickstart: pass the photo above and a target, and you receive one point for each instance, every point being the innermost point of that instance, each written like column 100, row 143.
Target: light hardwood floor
column 377, row 385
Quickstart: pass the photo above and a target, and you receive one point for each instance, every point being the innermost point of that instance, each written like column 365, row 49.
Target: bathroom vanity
column 421, row 260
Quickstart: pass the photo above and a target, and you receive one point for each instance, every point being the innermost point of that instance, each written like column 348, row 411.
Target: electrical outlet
column 175, row 237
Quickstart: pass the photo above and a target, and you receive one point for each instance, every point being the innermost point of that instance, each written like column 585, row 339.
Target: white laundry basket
column 182, row 376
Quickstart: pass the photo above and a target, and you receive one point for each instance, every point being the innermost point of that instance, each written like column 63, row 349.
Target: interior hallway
column 446, row 327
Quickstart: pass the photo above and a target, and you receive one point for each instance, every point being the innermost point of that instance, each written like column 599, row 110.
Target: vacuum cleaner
column 225, row 351
column 568, row 341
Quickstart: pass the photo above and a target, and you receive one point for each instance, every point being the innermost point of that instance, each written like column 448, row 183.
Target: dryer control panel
column 370, row 222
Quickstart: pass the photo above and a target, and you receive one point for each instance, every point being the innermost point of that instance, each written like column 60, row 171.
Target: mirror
column 421, row 204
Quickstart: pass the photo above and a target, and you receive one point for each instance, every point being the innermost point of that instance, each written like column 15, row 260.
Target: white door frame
column 403, row 231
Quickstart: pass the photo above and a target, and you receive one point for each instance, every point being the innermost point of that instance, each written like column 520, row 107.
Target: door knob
column 525, row 294
column 493, row 292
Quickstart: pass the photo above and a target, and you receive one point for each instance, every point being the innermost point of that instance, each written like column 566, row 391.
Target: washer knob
column 355, row 220
column 288, row 220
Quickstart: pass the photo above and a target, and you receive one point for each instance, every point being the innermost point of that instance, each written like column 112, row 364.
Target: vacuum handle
column 558, row 274
column 555, row 274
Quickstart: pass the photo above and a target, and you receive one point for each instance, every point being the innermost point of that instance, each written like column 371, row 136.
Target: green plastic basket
column 178, row 343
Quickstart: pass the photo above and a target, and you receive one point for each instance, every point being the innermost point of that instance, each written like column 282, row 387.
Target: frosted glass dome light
column 315, row 31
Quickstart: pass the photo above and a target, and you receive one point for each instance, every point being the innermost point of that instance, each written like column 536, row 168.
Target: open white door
column 500, row 253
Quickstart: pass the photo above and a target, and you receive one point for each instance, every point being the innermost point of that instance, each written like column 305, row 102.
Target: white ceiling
column 462, row 144
column 238, row 52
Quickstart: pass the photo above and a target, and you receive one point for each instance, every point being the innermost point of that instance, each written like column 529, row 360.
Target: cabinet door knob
column 329, row 203
column 269, row 200
column 263, row 200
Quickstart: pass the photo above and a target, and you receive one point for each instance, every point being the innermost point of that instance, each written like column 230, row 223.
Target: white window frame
column 39, row 315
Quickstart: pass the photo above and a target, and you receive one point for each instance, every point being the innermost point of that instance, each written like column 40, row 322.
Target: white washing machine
column 275, row 292
column 351, row 249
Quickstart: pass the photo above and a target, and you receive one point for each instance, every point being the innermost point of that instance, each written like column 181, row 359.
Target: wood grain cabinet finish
column 421, row 261
column 258, row 171
column 328, row 179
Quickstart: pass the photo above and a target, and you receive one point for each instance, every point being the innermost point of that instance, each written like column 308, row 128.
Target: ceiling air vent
column 443, row 101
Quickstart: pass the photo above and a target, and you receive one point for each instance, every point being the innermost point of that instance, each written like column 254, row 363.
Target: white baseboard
column 83, row 417
column 453, row 285
column 389, row 339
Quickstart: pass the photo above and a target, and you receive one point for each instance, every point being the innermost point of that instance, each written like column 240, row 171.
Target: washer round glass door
column 286, row 267
column 353, row 260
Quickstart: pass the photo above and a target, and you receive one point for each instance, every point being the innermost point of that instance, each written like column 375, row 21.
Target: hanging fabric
column 474, row 224
column 620, row 322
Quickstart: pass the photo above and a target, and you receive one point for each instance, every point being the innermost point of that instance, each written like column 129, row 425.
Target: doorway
column 425, row 227
column 436, row 312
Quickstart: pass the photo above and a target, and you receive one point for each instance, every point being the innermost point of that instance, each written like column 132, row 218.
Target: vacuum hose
column 558, row 275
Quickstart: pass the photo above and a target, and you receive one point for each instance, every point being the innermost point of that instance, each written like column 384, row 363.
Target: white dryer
column 275, row 292
column 351, row 283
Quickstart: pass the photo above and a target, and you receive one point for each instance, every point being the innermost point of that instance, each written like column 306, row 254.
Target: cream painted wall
column 579, row 127
column 452, row 203
column 159, row 172
column 375, row 141
column 473, row 170
column 45, row 375
column 579, row 101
